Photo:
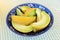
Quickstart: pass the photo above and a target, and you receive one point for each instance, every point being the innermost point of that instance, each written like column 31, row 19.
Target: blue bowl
column 33, row 5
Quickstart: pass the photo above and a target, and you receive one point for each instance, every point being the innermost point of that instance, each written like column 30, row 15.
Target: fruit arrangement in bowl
column 29, row 20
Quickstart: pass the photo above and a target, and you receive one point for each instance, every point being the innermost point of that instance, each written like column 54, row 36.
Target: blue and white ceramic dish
column 34, row 5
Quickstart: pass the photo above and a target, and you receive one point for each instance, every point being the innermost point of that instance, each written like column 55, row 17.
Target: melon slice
column 24, row 8
column 23, row 19
column 30, row 12
column 43, row 23
column 19, row 13
column 22, row 28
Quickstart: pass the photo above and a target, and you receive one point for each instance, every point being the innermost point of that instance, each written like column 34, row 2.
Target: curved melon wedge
column 19, row 13
column 21, row 28
column 38, row 11
column 30, row 12
column 24, row 8
column 45, row 20
column 23, row 20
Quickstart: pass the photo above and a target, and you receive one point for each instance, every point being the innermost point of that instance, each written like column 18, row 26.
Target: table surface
column 52, row 34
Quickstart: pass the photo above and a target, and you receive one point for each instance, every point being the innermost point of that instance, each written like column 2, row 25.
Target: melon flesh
column 30, row 12
column 24, row 8
column 22, row 28
column 23, row 19
column 45, row 20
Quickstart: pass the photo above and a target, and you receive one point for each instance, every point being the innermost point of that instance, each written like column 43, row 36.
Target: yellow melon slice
column 23, row 19
column 43, row 23
column 22, row 28
column 30, row 11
